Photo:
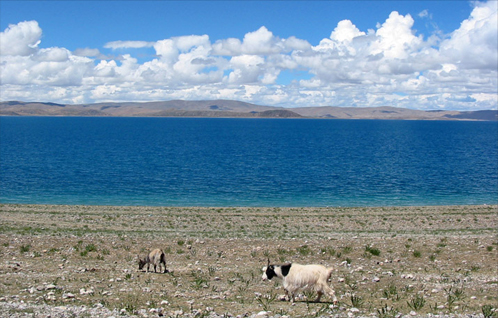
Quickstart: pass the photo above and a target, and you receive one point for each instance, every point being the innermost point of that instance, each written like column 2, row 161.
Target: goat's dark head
column 269, row 271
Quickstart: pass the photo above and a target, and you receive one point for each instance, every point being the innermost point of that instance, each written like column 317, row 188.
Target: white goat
column 306, row 277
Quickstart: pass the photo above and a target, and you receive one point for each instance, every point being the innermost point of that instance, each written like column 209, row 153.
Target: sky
column 427, row 55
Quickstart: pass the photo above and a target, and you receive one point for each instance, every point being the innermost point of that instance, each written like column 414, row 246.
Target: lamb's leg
column 319, row 296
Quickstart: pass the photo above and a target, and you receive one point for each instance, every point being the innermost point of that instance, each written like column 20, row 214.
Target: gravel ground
column 81, row 261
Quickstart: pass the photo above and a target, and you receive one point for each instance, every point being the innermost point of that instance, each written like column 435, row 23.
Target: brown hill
column 231, row 108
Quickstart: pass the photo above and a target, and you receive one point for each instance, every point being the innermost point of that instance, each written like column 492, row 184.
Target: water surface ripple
column 247, row 162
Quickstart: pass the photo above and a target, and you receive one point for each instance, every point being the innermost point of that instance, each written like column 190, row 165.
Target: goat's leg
column 319, row 296
column 290, row 295
column 331, row 293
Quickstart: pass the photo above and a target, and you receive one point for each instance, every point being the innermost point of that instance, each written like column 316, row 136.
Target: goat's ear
column 268, row 261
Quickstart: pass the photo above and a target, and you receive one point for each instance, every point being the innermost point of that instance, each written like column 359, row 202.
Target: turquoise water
column 247, row 162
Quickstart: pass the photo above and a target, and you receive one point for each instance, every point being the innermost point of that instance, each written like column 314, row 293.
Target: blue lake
column 247, row 162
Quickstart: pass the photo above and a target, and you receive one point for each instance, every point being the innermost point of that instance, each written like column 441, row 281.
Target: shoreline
column 84, row 259
column 306, row 221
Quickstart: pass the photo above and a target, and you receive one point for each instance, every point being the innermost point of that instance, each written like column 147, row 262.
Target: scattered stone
column 262, row 314
column 68, row 295
column 84, row 291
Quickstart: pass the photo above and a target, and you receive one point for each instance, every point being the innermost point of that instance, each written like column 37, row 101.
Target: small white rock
column 262, row 314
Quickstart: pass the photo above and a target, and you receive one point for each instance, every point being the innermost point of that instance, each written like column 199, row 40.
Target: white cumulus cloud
column 389, row 64
column 20, row 39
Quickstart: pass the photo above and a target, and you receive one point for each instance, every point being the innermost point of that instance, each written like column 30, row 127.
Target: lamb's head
column 141, row 263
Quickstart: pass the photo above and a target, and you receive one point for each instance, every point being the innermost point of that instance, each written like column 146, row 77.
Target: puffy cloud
column 345, row 31
column 247, row 69
column 395, row 39
column 391, row 65
column 185, row 43
column 48, row 67
column 52, row 55
column 186, row 60
column 20, row 39
column 259, row 42
column 474, row 44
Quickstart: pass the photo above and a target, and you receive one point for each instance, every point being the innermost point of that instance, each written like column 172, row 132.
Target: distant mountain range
column 231, row 108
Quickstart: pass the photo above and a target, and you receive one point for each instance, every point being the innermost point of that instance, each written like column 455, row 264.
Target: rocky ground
column 81, row 261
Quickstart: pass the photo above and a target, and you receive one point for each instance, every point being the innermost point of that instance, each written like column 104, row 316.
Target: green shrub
column 487, row 311
column 372, row 250
column 304, row 250
column 387, row 312
column 356, row 301
column 90, row 248
column 416, row 303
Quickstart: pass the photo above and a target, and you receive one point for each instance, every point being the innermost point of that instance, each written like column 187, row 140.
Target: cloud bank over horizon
column 390, row 65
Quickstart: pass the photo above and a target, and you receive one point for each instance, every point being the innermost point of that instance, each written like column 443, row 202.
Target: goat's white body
column 305, row 277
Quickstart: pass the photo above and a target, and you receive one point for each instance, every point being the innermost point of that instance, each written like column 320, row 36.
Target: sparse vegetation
column 25, row 248
column 429, row 269
column 372, row 250
column 417, row 302
column 356, row 301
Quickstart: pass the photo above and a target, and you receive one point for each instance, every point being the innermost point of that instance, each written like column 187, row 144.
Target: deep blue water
column 247, row 162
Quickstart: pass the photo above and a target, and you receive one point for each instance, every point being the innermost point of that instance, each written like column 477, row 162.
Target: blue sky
column 415, row 54
column 74, row 24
